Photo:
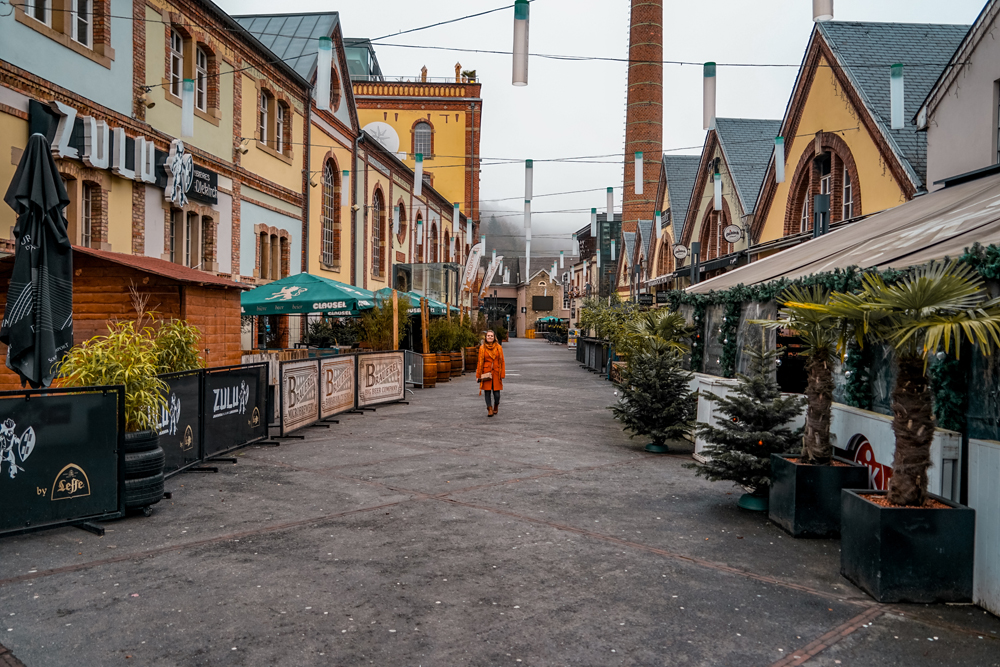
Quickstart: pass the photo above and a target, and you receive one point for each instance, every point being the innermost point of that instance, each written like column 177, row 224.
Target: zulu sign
column 336, row 385
column 59, row 459
column 299, row 399
column 380, row 378
column 180, row 421
column 233, row 409
column 100, row 146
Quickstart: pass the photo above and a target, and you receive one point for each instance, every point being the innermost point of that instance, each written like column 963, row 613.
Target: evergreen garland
column 729, row 332
column 698, row 337
column 984, row 259
column 858, row 372
column 951, row 393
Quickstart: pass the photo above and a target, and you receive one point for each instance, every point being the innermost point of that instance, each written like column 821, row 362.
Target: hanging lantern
column 527, row 214
column 572, row 274
column 593, row 223
column 576, row 246
column 527, row 258
column 562, row 260
column 717, row 183
column 708, row 84
column 638, row 172
column 598, row 256
column 520, row 76
column 657, row 224
column 527, row 233
column 324, row 68
column 187, row 108
column 468, row 232
column 779, row 159
column 896, row 96
column 611, row 205
column 822, row 10
column 418, row 176
column 506, row 276
column 420, row 231
column 528, row 179
column 614, row 255
column 345, row 188
column 395, row 220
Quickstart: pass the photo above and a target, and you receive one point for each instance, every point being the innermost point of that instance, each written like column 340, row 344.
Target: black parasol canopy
column 38, row 318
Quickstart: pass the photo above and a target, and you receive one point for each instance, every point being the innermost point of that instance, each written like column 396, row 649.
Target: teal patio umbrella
column 305, row 293
column 433, row 307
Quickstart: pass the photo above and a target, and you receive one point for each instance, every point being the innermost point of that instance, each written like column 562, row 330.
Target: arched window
column 433, row 240
column 201, row 79
column 401, row 236
column 378, row 235
column 422, row 135
column 666, row 258
column 331, row 216
column 420, row 240
column 833, row 172
column 263, row 113
column 334, row 89
column 848, row 196
column 447, row 247
column 280, row 126
column 804, row 222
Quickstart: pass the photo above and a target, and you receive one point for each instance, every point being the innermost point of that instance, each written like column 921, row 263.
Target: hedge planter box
column 907, row 554
column 805, row 499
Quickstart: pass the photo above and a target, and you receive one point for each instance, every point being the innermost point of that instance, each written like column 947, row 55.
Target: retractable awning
column 930, row 227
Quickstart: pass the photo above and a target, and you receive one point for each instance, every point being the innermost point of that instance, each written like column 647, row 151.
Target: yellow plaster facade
column 283, row 169
column 828, row 109
column 15, row 132
column 327, row 148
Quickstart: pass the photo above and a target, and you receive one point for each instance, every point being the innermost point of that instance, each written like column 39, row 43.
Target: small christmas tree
column 655, row 399
column 757, row 426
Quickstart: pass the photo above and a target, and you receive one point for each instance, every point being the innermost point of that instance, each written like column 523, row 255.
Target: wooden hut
column 101, row 281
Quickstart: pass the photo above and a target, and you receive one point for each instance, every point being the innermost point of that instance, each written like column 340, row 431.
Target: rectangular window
column 188, row 229
column 848, row 196
column 262, row 118
column 86, row 215
column 39, row 10
column 82, row 22
column 279, row 129
column 201, row 80
column 176, row 62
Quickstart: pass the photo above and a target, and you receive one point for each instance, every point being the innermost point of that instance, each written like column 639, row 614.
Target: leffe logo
column 287, row 293
column 180, row 173
column 71, row 482
column 231, row 400
column 15, row 448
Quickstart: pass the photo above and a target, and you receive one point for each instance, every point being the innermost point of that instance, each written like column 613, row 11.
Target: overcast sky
column 578, row 108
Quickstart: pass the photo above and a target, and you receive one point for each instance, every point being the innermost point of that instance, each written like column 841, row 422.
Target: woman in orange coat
column 491, row 371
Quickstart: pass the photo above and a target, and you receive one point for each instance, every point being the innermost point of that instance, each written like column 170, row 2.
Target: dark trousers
column 496, row 397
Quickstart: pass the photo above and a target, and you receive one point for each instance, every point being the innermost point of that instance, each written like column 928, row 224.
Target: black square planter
column 907, row 554
column 805, row 499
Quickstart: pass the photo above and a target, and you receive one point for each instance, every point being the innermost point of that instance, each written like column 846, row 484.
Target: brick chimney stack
column 644, row 110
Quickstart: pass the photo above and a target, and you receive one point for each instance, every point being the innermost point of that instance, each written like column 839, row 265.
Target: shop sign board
column 299, row 395
column 234, row 407
column 180, row 421
column 380, row 378
column 60, row 460
column 336, row 385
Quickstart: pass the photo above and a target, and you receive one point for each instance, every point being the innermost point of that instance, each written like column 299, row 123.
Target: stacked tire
column 144, row 460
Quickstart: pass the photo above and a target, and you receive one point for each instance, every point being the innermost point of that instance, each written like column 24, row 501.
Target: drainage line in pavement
column 830, row 638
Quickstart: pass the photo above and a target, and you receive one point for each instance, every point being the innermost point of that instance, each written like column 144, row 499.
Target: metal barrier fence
column 594, row 354
column 414, row 365
column 62, row 457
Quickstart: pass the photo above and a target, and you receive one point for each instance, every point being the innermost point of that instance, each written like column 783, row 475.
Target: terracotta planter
column 907, row 554
column 444, row 366
column 430, row 369
column 805, row 499
column 456, row 364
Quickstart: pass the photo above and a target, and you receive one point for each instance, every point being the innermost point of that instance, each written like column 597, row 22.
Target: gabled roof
column 292, row 37
column 747, row 144
column 865, row 51
column 979, row 30
column 629, row 247
column 680, row 172
column 645, row 233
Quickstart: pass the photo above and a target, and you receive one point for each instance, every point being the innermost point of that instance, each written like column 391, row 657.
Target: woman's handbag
column 485, row 376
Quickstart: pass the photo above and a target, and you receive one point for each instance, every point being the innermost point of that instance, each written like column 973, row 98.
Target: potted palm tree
column 907, row 544
column 804, row 496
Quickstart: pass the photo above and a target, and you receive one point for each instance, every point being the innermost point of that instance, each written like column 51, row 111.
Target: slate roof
column 748, row 144
column 866, row 50
column 645, row 232
column 681, row 172
column 629, row 247
column 292, row 37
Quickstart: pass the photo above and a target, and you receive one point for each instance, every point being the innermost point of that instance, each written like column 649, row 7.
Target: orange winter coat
column 491, row 361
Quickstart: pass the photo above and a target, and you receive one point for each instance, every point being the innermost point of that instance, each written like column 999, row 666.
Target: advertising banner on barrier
column 380, row 378
column 234, row 406
column 180, row 421
column 299, row 394
column 336, row 385
column 59, row 459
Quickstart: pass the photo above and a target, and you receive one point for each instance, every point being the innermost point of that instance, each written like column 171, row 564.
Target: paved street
column 427, row 534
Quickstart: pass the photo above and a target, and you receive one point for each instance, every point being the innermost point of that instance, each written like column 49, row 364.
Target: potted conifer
column 907, row 544
column 757, row 421
column 804, row 496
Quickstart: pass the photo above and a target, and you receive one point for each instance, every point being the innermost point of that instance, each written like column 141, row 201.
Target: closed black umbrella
column 38, row 318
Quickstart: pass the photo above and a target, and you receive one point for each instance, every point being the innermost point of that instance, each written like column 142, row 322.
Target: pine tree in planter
column 756, row 426
column 655, row 399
